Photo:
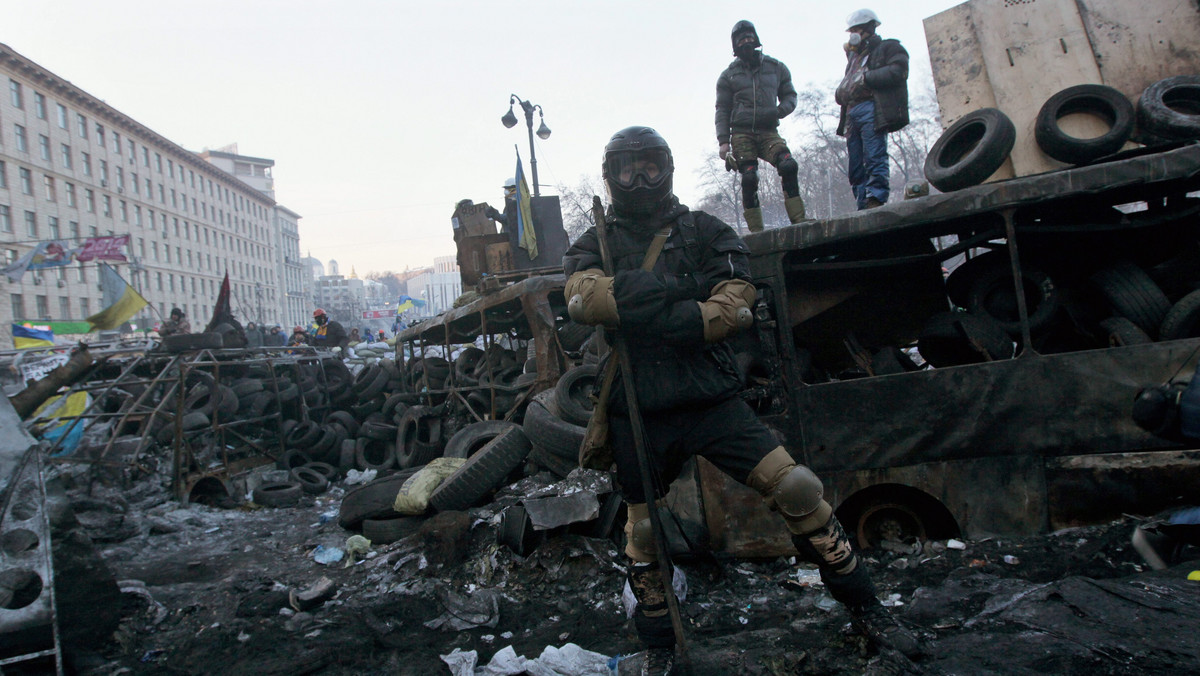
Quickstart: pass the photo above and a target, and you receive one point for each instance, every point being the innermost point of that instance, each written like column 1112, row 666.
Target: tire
column 573, row 392
column 373, row 500
column 372, row 385
column 202, row 399
column 195, row 421
column 470, row 439
column 958, row 338
column 1171, row 108
column 374, row 454
column 373, row 429
column 324, row 469
column 572, row 335
column 482, row 472
column 556, row 464
column 962, row 278
column 972, row 149
column 311, row 481
column 188, row 342
column 303, row 435
column 293, row 458
column 992, row 295
column 551, row 433
column 1132, row 294
column 344, row 419
column 277, row 494
column 386, row 530
column 1098, row 100
column 247, row 387
column 1183, row 319
column 1121, row 332
column 516, row 531
column 418, row 441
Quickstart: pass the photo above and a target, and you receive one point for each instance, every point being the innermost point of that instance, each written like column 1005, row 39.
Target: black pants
column 727, row 434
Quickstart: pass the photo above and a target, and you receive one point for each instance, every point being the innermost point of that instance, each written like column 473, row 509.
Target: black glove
column 640, row 295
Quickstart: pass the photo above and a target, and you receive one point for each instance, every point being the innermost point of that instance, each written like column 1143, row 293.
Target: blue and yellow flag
column 526, row 237
column 27, row 335
column 406, row 303
column 120, row 299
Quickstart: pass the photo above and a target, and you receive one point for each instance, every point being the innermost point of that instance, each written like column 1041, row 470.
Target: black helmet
column 743, row 26
column 637, row 170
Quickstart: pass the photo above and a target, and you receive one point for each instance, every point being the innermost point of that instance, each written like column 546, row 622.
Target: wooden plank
column 1139, row 43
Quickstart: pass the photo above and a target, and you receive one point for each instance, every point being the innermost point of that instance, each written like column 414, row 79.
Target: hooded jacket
column 887, row 78
column 752, row 98
column 660, row 317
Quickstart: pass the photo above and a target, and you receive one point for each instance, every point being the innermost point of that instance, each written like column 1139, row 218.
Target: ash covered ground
column 207, row 589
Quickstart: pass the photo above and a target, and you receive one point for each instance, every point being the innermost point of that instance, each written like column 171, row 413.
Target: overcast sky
column 381, row 115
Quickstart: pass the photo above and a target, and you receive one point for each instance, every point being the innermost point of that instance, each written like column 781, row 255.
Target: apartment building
column 73, row 167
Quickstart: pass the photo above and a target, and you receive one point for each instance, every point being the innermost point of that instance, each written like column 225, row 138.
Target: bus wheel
column 888, row 520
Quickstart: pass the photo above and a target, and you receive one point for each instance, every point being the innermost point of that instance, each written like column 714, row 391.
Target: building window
column 5, row 219
column 31, row 224
column 87, row 164
column 48, row 184
column 108, row 206
column 22, row 142
column 158, row 162
column 62, row 116
column 154, row 253
column 70, row 194
column 162, row 194
column 39, row 105
column 44, row 146
column 124, row 211
column 132, row 150
column 14, row 90
column 137, row 215
column 174, row 205
column 66, row 155
column 90, row 200
column 93, row 231
column 103, row 173
column 120, row 179
column 81, row 125
column 26, row 181
column 64, row 307
column 18, row 305
column 145, row 156
column 142, row 246
column 52, row 223
column 43, row 306
column 85, row 309
column 100, row 135
column 80, row 272
column 3, row 175
column 74, row 227
column 116, row 146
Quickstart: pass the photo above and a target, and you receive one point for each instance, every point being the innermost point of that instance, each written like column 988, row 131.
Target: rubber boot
column 795, row 209
column 849, row 583
column 754, row 219
column 652, row 618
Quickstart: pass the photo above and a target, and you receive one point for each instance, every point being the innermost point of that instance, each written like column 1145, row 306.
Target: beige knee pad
column 792, row 490
column 639, row 534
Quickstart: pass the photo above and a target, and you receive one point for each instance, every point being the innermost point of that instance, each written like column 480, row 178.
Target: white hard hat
column 860, row 17
column 510, row 182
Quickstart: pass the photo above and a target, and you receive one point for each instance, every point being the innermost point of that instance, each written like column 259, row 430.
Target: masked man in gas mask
column 675, row 319
column 753, row 94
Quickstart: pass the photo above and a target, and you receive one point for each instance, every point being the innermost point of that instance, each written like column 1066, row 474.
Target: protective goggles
column 647, row 167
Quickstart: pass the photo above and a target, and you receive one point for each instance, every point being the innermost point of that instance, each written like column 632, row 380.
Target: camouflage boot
column 652, row 619
column 795, row 209
column 754, row 219
column 848, row 582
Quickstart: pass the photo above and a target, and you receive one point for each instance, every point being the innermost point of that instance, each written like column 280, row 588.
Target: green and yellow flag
column 120, row 299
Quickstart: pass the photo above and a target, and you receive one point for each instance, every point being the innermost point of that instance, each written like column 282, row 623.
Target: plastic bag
column 413, row 497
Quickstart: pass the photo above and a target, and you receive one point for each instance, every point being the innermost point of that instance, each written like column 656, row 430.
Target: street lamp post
column 510, row 120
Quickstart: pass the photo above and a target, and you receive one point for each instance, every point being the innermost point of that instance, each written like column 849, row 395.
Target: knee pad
column 639, row 534
column 792, row 490
column 750, row 179
column 787, row 165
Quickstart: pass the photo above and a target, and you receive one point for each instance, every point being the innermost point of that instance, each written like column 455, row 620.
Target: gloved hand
column 591, row 299
column 493, row 214
column 723, row 150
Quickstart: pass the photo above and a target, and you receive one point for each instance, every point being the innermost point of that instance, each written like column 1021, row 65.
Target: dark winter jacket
column 887, row 78
column 660, row 314
column 329, row 336
column 747, row 96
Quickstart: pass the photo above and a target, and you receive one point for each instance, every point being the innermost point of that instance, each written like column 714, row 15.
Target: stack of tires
column 977, row 144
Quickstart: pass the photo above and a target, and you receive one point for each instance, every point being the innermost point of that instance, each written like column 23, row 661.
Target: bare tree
column 576, row 204
column 389, row 280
